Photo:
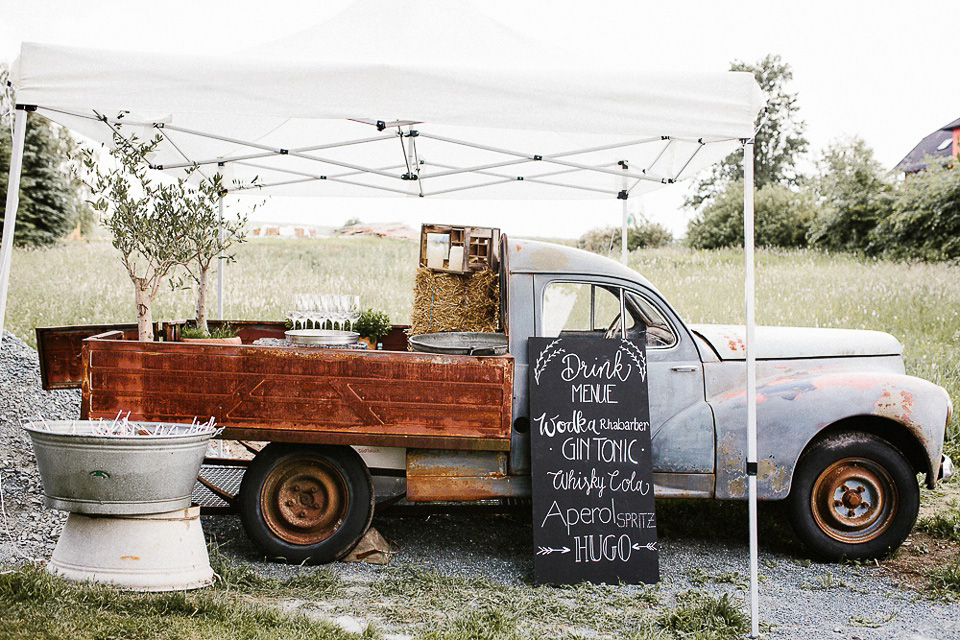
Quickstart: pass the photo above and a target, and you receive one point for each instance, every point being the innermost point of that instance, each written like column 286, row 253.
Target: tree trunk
column 144, row 314
column 202, row 301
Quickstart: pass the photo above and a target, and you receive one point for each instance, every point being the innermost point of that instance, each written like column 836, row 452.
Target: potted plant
column 372, row 325
column 144, row 218
column 210, row 237
column 224, row 334
column 157, row 226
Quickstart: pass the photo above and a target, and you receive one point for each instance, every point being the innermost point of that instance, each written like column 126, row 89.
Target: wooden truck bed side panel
column 60, row 348
column 333, row 396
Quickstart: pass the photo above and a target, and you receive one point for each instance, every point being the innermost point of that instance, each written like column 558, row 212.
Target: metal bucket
column 465, row 343
column 155, row 552
column 99, row 474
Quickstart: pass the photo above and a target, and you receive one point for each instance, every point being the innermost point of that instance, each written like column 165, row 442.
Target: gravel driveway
column 799, row 598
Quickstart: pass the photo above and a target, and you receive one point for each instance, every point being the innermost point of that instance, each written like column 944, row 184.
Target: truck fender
column 793, row 411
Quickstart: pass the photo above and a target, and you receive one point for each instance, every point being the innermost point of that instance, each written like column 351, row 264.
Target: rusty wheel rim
column 304, row 500
column 854, row 500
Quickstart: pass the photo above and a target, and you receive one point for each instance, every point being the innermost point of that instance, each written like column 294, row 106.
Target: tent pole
column 623, row 235
column 220, row 264
column 623, row 220
column 750, row 300
column 13, row 201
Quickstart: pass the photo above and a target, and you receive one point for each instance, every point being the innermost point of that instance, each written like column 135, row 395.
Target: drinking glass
column 313, row 311
column 353, row 310
column 337, row 312
column 326, row 308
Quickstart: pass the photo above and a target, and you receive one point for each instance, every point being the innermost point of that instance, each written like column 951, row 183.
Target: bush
column 853, row 194
column 782, row 217
column 925, row 221
column 640, row 236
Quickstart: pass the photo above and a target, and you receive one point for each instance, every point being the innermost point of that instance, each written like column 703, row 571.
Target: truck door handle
column 684, row 369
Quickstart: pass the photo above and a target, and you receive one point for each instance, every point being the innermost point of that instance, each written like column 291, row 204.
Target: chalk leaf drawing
column 549, row 352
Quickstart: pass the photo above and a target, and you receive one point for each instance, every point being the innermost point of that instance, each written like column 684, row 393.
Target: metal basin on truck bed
column 464, row 343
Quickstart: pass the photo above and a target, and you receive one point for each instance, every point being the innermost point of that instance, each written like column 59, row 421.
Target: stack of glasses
column 324, row 311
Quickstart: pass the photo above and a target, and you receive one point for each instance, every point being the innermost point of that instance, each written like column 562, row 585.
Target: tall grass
column 919, row 303
column 84, row 283
column 79, row 283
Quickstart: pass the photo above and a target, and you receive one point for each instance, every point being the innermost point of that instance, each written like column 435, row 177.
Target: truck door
column 681, row 420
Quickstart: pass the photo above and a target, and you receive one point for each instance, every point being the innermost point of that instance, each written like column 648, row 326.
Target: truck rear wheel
column 301, row 503
column 854, row 497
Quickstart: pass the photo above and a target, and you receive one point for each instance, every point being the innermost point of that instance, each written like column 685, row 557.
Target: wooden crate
column 465, row 249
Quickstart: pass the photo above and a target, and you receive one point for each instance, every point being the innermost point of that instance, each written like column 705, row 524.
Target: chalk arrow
column 545, row 551
column 650, row 546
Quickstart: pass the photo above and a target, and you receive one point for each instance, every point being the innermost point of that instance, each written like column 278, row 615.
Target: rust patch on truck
column 737, row 345
column 730, row 462
column 853, row 381
column 894, row 404
column 773, row 475
column 772, row 478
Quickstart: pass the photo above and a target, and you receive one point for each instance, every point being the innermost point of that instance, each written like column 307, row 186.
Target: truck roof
column 531, row 256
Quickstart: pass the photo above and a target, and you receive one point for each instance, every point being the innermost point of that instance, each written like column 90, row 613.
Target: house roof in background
column 938, row 144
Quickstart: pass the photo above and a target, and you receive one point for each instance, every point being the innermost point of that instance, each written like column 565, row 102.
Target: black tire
column 306, row 504
column 854, row 497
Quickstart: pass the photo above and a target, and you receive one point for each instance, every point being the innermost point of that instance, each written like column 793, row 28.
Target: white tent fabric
column 495, row 116
column 426, row 98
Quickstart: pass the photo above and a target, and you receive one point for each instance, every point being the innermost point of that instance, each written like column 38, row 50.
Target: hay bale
column 455, row 302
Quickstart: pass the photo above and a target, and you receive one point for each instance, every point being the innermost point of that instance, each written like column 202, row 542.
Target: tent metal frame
column 414, row 172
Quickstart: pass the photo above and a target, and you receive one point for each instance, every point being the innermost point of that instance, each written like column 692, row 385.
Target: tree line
column 850, row 203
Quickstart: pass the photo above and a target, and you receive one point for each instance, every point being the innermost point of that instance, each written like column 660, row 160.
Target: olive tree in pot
column 144, row 219
column 210, row 237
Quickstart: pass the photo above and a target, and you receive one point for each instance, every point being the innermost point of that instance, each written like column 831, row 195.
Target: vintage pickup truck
column 843, row 432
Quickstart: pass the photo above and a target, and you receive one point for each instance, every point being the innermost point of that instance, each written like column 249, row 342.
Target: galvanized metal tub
column 461, row 343
column 151, row 552
column 109, row 474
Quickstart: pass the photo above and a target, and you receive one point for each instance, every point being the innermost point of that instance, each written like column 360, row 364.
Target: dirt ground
column 922, row 552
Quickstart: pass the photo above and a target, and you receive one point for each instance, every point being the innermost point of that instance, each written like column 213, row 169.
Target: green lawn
column 77, row 283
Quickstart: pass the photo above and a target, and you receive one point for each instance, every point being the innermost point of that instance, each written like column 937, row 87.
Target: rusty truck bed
column 285, row 394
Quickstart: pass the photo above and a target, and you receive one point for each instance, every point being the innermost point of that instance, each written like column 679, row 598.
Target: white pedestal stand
column 149, row 552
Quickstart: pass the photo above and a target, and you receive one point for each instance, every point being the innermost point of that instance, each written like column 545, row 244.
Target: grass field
column 78, row 283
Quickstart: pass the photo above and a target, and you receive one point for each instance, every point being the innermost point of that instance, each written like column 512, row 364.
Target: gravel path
column 799, row 599
column 29, row 530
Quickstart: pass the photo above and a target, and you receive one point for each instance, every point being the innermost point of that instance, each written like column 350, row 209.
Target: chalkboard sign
column 593, row 516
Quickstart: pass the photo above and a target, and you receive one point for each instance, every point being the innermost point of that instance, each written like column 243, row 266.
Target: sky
column 885, row 71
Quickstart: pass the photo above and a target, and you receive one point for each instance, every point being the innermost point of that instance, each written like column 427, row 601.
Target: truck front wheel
column 854, row 497
column 301, row 503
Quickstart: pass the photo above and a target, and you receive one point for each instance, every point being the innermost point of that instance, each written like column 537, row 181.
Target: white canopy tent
column 403, row 98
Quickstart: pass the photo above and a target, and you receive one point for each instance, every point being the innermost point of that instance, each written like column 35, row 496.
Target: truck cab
column 554, row 291
column 842, row 431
